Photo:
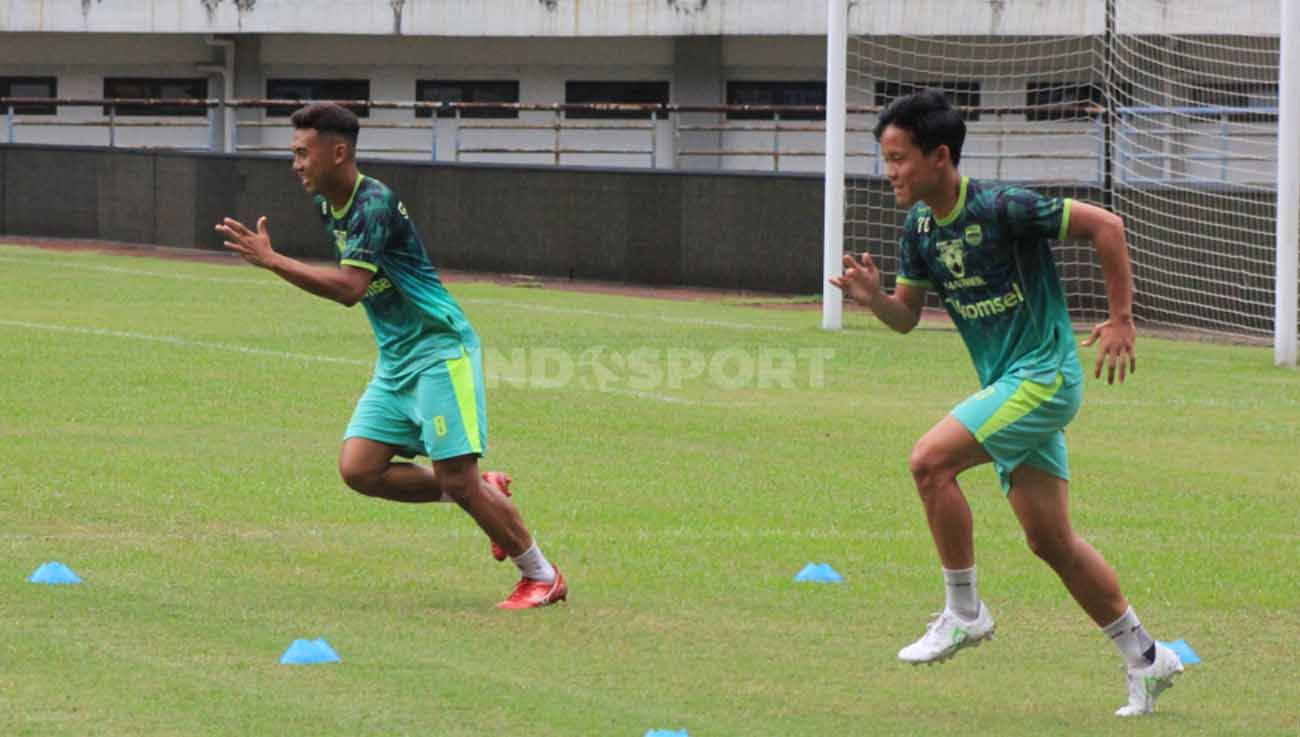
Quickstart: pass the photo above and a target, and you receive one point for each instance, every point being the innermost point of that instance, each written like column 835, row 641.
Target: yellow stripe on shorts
column 461, row 371
column 1030, row 396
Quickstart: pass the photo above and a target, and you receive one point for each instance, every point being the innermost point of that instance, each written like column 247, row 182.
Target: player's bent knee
column 928, row 467
column 359, row 477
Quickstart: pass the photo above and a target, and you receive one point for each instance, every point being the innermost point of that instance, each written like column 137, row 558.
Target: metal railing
column 1137, row 122
column 110, row 120
column 550, row 130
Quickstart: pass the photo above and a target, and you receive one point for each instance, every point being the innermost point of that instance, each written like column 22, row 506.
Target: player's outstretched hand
column 861, row 279
column 255, row 247
column 1115, row 348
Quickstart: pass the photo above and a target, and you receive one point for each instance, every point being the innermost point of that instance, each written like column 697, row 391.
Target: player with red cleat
column 426, row 395
column 531, row 593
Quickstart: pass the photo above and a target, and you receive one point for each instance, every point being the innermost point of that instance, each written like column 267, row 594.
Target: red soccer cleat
column 502, row 482
column 530, row 593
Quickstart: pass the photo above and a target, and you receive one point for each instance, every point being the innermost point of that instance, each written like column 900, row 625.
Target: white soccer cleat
column 947, row 633
column 1145, row 684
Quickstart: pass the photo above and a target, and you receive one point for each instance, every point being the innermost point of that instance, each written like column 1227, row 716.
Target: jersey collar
column 956, row 210
column 338, row 214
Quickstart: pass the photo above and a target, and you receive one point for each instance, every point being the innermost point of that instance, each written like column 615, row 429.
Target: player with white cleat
column 986, row 249
column 948, row 633
column 1146, row 683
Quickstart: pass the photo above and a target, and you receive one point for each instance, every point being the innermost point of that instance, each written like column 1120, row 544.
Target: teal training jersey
column 416, row 322
column 991, row 262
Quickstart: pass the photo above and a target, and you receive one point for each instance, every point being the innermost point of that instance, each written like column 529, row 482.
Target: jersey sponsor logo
column 378, row 286
column 988, row 307
column 341, row 240
column 974, row 235
column 952, row 254
column 970, row 281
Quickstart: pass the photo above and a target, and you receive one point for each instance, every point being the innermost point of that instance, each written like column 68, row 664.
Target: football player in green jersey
column 986, row 250
column 425, row 395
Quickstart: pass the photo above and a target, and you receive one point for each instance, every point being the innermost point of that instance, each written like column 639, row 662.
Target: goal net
column 1145, row 107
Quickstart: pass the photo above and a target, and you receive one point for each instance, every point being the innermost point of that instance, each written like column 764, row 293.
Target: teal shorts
column 1021, row 421
column 442, row 414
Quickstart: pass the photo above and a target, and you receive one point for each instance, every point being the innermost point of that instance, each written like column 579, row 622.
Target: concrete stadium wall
column 720, row 230
column 751, row 232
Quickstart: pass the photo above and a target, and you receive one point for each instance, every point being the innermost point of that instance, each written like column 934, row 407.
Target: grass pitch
column 170, row 431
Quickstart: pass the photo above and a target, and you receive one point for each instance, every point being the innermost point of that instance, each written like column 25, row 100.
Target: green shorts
column 442, row 414
column 1021, row 421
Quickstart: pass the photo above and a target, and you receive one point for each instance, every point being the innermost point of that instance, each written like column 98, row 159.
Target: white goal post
column 1288, row 189
column 833, row 201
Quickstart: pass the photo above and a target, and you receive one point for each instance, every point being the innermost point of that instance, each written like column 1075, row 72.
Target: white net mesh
column 1175, row 131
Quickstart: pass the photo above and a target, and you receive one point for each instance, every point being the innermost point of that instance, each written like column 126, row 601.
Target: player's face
column 313, row 158
column 913, row 174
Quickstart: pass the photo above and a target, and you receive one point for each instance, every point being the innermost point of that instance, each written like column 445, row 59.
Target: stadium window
column 776, row 93
column 959, row 93
column 1238, row 95
column 157, row 88
column 1040, row 94
column 30, row 87
column 615, row 92
column 442, row 90
column 316, row 89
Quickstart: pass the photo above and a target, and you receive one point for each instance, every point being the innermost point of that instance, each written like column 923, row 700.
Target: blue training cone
column 1184, row 651
column 309, row 652
column 667, row 733
column 54, row 572
column 819, row 573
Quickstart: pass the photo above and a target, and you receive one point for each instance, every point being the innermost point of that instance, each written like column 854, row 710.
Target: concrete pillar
column 697, row 80
column 250, row 83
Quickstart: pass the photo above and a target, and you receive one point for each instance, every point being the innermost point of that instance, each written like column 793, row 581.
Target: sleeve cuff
column 913, row 282
column 359, row 264
column 1065, row 220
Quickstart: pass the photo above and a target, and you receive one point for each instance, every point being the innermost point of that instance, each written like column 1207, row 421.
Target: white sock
column 1131, row 638
column 532, row 564
column 962, row 597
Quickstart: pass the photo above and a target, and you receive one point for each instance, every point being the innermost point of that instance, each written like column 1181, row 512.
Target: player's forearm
column 894, row 312
column 322, row 281
column 1112, row 248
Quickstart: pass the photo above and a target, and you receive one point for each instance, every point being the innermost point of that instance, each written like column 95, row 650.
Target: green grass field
column 170, row 431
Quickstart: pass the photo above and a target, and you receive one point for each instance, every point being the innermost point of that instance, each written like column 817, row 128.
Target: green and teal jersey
column 416, row 321
column 990, row 260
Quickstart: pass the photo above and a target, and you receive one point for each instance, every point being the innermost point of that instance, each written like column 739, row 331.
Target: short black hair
column 929, row 118
column 329, row 117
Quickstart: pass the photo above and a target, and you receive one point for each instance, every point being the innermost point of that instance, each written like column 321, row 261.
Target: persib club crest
column 951, row 254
